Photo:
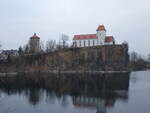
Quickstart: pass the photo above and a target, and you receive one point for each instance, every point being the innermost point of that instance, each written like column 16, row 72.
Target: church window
column 93, row 42
column 88, row 42
column 84, row 43
column 75, row 43
column 79, row 43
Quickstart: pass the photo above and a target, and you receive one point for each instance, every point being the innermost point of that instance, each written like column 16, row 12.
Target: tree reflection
column 86, row 91
column 35, row 96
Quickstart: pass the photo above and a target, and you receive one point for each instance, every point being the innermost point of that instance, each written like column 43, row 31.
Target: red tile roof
column 35, row 36
column 84, row 37
column 109, row 39
column 101, row 27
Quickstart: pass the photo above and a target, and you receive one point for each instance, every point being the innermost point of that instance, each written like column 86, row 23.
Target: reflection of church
column 100, row 104
column 89, row 102
column 114, row 87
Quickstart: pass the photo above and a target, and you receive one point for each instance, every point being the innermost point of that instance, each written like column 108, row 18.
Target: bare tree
column 64, row 40
column 41, row 46
column 59, row 45
column 0, row 45
column 149, row 57
column 134, row 56
column 50, row 46
column 26, row 49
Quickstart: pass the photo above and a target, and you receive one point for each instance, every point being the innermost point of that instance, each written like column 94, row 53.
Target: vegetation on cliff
column 100, row 58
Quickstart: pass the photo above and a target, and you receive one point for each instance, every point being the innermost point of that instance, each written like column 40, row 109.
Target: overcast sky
column 126, row 20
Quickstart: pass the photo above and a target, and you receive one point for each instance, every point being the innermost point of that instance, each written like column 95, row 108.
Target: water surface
column 127, row 93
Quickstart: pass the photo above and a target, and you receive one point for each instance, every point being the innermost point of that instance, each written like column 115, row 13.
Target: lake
column 120, row 93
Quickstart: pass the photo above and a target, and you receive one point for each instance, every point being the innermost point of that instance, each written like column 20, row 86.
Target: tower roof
column 101, row 28
column 35, row 36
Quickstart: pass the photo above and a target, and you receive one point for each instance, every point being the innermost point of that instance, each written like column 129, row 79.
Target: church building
column 89, row 40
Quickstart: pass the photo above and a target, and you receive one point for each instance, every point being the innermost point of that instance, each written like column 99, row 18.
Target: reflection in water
column 87, row 91
column 34, row 96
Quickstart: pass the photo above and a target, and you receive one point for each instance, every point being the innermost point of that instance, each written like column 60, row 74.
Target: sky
column 126, row 20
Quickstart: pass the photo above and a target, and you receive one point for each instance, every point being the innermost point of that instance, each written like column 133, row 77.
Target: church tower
column 34, row 44
column 101, row 34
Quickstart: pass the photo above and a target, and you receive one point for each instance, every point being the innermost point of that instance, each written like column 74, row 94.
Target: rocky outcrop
column 100, row 58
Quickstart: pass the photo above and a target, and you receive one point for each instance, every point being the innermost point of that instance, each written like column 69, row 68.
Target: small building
column 10, row 52
column 5, row 53
column 3, row 57
column 89, row 40
column 34, row 44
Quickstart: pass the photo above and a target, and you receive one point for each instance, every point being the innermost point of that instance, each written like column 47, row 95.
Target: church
column 89, row 40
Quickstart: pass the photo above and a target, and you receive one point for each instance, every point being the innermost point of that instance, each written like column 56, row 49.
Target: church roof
column 35, row 36
column 109, row 39
column 84, row 37
column 101, row 28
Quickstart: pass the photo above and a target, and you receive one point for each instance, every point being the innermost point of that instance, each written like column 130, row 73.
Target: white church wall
column 86, row 43
column 90, row 43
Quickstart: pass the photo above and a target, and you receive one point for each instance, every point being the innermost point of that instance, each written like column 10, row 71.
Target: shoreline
column 63, row 72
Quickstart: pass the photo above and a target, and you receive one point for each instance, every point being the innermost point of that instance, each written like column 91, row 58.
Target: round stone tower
column 34, row 44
